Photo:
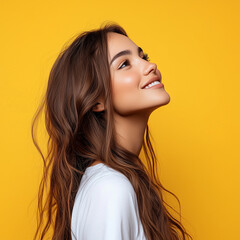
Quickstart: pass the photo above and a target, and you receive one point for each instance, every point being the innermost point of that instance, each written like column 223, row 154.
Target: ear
column 99, row 107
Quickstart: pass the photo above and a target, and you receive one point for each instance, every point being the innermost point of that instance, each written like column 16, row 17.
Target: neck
column 130, row 131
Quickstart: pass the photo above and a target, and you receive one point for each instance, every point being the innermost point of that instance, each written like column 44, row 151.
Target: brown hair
column 78, row 136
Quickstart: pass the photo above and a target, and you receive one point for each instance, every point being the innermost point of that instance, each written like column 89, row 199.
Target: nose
column 150, row 67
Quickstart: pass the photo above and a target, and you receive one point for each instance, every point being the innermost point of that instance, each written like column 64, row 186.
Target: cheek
column 125, row 83
column 125, row 92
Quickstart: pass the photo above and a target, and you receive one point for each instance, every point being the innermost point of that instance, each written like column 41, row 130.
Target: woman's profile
column 101, row 91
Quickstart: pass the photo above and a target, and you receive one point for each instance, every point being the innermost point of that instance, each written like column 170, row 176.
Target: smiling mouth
column 152, row 81
column 152, row 84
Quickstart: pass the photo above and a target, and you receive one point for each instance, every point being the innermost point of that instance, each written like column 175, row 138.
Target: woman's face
column 129, row 73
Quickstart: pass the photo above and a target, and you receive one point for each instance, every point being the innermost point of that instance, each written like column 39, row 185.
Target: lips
column 156, row 78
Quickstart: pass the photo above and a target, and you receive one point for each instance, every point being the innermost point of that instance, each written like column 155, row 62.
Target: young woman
column 101, row 91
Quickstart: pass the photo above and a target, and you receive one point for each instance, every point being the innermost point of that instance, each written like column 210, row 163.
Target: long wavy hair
column 77, row 136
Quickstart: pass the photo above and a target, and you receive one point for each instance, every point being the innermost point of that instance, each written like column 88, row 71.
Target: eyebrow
column 124, row 52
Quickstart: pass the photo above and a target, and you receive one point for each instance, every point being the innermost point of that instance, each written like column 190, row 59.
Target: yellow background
column 197, row 135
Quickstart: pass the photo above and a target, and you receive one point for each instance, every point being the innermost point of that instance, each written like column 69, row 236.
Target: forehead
column 118, row 42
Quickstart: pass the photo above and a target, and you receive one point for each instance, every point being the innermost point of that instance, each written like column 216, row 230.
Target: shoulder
column 112, row 184
column 113, row 198
column 109, row 207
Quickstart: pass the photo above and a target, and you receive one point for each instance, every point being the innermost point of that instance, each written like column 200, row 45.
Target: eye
column 124, row 63
column 145, row 57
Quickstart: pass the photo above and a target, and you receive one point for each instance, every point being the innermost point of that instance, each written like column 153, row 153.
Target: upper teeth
column 152, row 84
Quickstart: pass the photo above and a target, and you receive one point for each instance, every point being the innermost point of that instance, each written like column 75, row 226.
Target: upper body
column 105, row 207
column 101, row 91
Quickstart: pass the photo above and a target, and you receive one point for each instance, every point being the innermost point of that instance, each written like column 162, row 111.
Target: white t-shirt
column 105, row 207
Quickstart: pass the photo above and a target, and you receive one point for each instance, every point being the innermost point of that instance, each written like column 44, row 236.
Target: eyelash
column 145, row 57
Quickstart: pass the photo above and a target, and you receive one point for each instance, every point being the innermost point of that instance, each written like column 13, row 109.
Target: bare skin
column 132, row 104
column 96, row 162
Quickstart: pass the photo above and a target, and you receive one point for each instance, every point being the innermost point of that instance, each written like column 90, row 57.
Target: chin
column 163, row 102
column 168, row 98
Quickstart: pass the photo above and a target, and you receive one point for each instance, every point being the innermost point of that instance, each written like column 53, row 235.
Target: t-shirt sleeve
column 112, row 211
